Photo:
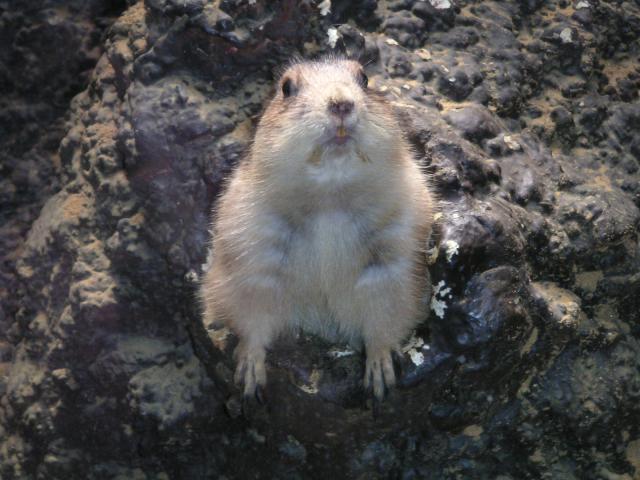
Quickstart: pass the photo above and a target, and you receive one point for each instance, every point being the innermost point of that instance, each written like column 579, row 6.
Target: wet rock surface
column 527, row 119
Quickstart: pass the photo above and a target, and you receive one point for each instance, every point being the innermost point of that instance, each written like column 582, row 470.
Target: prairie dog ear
column 290, row 81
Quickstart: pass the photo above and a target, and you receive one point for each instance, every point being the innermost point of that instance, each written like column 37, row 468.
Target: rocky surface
column 526, row 116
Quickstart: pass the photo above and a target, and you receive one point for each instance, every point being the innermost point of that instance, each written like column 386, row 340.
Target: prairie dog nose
column 340, row 108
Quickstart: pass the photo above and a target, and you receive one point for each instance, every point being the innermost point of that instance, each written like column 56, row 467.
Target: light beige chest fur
column 327, row 255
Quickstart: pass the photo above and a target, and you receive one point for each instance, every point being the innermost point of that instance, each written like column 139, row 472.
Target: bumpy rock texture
column 525, row 113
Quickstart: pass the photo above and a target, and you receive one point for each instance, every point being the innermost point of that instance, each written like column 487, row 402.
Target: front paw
column 379, row 374
column 250, row 372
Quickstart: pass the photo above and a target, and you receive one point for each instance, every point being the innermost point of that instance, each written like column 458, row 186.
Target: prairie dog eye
column 363, row 80
column 288, row 88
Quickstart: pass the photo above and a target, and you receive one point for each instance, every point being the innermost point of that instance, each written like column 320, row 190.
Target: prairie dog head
column 323, row 118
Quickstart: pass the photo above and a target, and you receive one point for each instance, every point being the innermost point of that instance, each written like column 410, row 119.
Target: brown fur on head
column 325, row 108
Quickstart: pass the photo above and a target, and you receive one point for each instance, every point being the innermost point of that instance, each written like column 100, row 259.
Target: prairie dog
column 323, row 226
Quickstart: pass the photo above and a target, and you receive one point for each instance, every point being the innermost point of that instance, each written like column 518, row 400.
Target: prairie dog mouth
column 341, row 135
column 316, row 156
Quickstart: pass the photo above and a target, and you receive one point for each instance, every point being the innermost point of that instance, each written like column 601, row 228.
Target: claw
column 248, row 406
column 250, row 372
column 396, row 358
column 379, row 372
column 375, row 408
column 261, row 395
column 238, row 376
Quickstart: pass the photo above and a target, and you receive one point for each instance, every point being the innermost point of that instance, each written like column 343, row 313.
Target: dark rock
column 405, row 27
column 398, row 65
column 583, row 16
column 458, row 37
column 353, row 41
column 482, row 236
column 565, row 128
column 591, row 116
column 423, row 71
column 455, row 85
column 438, row 14
column 363, row 11
column 176, row 7
column 475, row 123
column 627, row 89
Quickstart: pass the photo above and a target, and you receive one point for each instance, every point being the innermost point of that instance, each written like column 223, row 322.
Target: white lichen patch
column 332, row 37
column 566, row 35
column 440, row 4
column 511, row 143
column 191, row 276
column 582, row 4
column 391, row 41
column 339, row 353
column 416, row 357
column 451, row 249
column 325, row 7
column 438, row 304
column 438, row 307
column 414, row 349
column 441, row 290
